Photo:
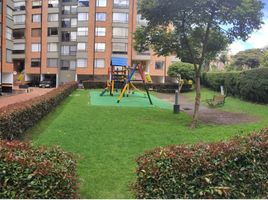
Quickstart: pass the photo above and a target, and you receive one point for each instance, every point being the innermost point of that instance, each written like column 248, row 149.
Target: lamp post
column 176, row 107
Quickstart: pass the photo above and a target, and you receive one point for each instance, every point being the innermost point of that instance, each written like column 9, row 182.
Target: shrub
column 233, row 169
column 250, row 85
column 186, row 70
column 17, row 118
column 29, row 172
column 157, row 87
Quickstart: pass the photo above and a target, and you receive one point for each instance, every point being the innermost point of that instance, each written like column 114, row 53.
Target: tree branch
column 205, row 41
column 187, row 42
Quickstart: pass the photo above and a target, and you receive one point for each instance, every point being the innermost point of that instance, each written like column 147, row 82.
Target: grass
column 109, row 139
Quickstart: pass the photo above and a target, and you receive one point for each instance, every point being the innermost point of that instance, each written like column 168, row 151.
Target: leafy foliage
column 264, row 60
column 29, row 172
column 17, row 118
column 186, row 70
column 250, row 85
column 192, row 30
column 249, row 58
column 233, row 169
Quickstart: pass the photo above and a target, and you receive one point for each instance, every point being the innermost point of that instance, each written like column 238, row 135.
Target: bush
column 234, row 169
column 17, row 118
column 29, row 172
column 157, row 87
column 186, row 70
column 251, row 85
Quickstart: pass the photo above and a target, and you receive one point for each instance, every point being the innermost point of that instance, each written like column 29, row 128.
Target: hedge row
column 233, row 169
column 29, row 172
column 251, row 85
column 157, row 87
column 17, row 118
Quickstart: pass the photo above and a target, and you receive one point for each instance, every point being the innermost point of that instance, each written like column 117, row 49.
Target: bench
column 216, row 101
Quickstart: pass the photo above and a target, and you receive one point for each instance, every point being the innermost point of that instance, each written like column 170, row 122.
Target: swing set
column 121, row 76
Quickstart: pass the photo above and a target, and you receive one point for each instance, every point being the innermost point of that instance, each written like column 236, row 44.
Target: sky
column 258, row 39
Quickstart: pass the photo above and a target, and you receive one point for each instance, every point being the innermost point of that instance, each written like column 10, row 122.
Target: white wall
column 7, row 78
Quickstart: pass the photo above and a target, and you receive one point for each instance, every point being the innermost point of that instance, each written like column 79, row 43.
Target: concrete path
column 15, row 98
column 209, row 115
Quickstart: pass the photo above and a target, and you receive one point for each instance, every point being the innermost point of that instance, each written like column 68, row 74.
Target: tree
column 186, row 70
column 250, row 58
column 264, row 60
column 196, row 30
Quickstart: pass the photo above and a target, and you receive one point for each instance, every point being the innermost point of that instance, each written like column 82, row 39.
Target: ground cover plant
column 109, row 138
column 29, row 172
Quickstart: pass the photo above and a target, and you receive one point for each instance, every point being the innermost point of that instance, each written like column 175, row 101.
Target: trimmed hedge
column 157, row 87
column 233, row 169
column 17, row 118
column 29, row 172
column 251, row 85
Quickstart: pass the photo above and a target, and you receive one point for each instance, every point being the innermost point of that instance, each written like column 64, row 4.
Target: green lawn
column 107, row 140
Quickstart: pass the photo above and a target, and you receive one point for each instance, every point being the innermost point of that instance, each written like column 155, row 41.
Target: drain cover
column 187, row 109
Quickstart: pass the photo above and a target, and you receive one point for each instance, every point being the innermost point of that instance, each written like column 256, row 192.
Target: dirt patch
column 209, row 115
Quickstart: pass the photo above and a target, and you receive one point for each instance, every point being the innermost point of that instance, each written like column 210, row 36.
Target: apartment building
column 69, row 40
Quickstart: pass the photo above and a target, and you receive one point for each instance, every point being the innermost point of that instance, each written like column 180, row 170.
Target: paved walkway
column 8, row 100
column 209, row 115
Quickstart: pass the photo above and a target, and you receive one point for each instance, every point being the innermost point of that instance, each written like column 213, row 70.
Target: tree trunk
column 197, row 99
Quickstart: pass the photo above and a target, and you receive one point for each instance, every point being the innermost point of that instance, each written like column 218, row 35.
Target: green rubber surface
column 134, row 100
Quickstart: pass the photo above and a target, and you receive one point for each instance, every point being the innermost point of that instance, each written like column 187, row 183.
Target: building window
column 19, row 19
column 52, row 62
column 52, row 31
column 120, row 17
column 9, row 13
column 36, row 32
column 100, row 47
column 83, row 3
column 68, row 50
column 100, row 31
column 121, row 3
column 82, row 63
column 19, row 6
column 82, row 16
column 36, row 62
column 36, row 18
column 81, row 46
column 100, row 17
column 99, row 63
column 66, row 10
column 19, row 33
column 82, row 31
column 9, row 33
column 53, row 3
column 159, row 65
column 9, row 56
column 101, row 3
column 120, row 48
column 120, row 32
column 53, row 17
column 68, row 64
column 36, row 4
column 52, row 47
column 36, row 47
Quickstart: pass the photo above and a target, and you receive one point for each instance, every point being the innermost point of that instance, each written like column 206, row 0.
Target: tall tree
column 250, row 58
column 196, row 30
